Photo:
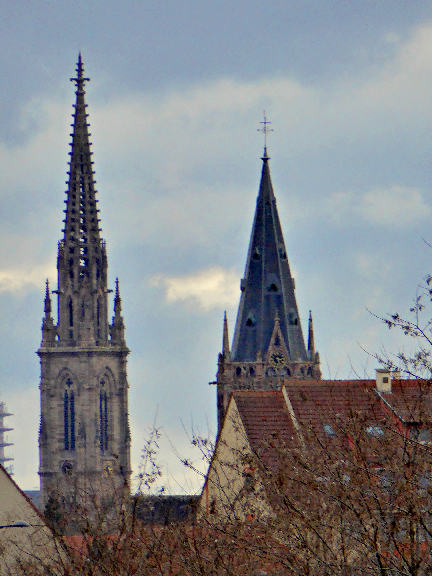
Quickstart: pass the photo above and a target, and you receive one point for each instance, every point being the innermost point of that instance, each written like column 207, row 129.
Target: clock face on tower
column 277, row 359
column 67, row 468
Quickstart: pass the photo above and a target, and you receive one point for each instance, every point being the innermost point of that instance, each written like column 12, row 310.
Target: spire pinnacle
column 117, row 327
column 117, row 300
column 265, row 130
column 225, row 340
column 311, row 337
column 47, row 305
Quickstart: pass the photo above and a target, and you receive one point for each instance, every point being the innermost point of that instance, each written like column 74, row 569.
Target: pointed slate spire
column 267, row 287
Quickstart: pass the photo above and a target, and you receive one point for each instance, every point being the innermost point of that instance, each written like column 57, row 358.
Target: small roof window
column 329, row 430
column 375, row 431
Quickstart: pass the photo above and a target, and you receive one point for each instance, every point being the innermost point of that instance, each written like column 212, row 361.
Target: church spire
column 82, row 261
column 268, row 342
column 81, row 231
column 267, row 287
column 84, row 437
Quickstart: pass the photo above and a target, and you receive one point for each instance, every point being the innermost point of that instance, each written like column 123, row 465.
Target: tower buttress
column 268, row 344
column 84, row 439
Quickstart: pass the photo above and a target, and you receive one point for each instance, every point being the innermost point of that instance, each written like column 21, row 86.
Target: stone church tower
column 268, row 343
column 84, row 437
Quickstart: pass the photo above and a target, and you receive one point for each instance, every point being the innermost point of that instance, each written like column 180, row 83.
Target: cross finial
column 265, row 130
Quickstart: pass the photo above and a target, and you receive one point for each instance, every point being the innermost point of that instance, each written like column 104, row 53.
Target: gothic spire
column 82, row 262
column 81, row 231
column 267, row 287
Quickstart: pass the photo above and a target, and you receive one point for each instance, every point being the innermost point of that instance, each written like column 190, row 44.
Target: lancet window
column 98, row 316
column 70, row 310
column 103, row 416
column 69, row 416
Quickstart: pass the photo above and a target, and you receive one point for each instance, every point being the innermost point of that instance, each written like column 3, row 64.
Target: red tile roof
column 265, row 416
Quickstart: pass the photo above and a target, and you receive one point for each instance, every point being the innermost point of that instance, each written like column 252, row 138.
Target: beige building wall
column 233, row 489
column 33, row 545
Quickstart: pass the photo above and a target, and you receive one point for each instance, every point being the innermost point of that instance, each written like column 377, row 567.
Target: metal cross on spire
column 265, row 130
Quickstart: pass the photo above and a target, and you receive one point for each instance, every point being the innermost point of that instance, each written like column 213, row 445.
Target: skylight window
column 375, row 431
column 329, row 430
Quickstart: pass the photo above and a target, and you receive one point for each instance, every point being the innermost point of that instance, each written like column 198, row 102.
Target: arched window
column 98, row 317
column 103, row 417
column 69, row 417
column 70, row 306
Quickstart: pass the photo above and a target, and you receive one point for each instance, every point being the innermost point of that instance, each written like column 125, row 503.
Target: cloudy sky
column 176, row 95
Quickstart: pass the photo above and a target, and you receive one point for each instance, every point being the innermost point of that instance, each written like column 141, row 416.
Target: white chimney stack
column 383, row 380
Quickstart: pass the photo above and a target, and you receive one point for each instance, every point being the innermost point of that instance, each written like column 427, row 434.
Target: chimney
column 383, row 380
